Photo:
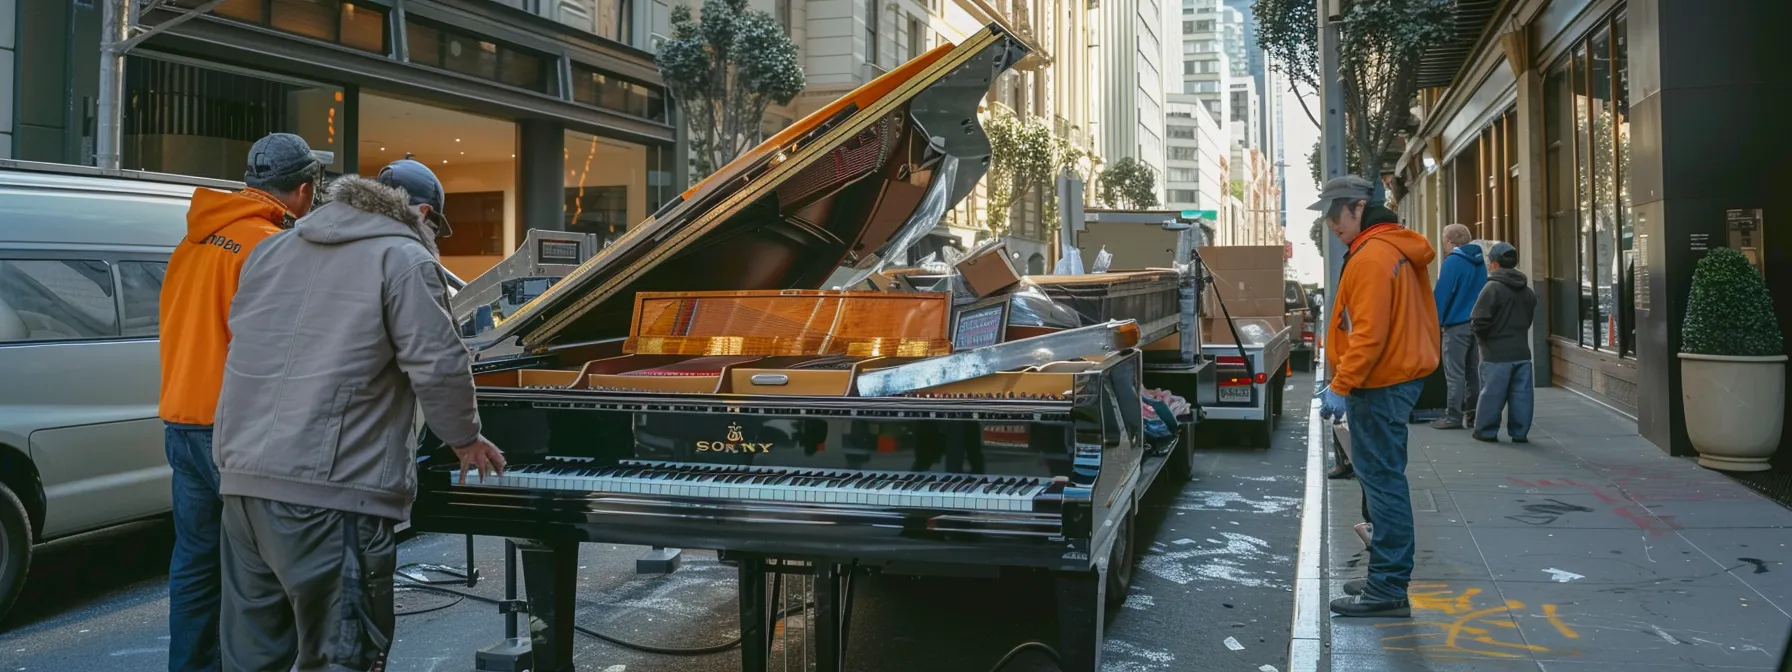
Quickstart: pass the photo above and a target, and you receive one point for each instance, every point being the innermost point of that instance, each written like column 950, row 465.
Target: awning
column 1439, row 66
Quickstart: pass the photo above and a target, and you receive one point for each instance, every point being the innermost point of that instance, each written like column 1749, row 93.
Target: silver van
column 82, row 255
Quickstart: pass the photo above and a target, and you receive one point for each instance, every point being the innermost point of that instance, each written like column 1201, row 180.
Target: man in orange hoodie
column 222, row 228
column 1382, row 342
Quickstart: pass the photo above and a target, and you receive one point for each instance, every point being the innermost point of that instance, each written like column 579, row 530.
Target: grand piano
column 695, row 386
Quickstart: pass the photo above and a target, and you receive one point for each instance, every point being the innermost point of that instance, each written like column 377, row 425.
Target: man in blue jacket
column 1458, row 285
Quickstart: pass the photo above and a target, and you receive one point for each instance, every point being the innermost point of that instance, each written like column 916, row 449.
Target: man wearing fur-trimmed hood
column 340, row 334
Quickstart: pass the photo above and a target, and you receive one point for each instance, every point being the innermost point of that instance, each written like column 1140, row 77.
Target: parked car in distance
column 82, row 256
column 1301, row 316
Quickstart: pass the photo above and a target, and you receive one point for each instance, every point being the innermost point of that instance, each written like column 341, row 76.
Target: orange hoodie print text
column 222, row 229
column 1385, row 330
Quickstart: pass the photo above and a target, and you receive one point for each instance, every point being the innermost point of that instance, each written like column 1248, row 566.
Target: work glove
column 1331, row 404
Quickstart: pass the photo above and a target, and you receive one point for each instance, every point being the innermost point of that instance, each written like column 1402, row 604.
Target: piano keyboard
column 772, row 484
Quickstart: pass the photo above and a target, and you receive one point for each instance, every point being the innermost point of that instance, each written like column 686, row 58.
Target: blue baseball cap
column 421, row 184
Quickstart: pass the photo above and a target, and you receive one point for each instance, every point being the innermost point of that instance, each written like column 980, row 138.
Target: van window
column 56, row 300
column 141, row 299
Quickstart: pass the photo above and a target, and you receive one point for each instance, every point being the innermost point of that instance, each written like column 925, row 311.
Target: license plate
column 1236, row 393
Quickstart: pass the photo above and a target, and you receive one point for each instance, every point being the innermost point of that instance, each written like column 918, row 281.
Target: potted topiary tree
column 1732, row 365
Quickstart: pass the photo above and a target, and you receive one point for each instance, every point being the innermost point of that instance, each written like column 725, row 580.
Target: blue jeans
column 1505, row 385
column 193, row 577
column 1378, row 418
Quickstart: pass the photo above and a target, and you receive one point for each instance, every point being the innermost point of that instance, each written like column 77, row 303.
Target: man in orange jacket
column 1382, row 342
column 201, row 280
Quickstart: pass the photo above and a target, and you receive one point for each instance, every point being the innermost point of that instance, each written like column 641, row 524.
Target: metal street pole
column 120, row 32
column 1331, row 135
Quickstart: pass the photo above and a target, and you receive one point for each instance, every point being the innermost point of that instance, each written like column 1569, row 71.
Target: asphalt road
column 1211, row 591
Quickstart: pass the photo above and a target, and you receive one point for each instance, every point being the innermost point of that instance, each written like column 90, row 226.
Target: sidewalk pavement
column 1588, row 549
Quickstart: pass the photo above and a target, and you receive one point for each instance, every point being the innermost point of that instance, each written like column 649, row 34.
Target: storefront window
column 612, row 185
column 1590, row 216
column 349, row 24
column 601, row 89
column 189, row 120
column 452, row 50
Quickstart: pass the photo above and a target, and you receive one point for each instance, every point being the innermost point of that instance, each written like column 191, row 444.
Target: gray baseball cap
column 1348, row 186
column 281, row 156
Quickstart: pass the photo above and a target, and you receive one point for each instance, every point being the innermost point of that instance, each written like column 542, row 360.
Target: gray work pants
column 1461, row 363
column 305, row 587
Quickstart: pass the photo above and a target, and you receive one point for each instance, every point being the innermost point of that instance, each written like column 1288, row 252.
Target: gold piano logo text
column 736, row 443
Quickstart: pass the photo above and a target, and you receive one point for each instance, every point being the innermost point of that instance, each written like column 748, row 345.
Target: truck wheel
column 1265, row 430
column 1120, row 566
column 15, row 548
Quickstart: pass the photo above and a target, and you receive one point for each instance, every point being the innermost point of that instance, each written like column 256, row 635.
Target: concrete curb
column 1306, row 642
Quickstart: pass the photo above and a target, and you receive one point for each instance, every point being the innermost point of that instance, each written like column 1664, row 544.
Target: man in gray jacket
column 340, row 333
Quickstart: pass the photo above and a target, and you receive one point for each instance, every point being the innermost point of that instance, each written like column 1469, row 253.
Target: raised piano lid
column 843, row 187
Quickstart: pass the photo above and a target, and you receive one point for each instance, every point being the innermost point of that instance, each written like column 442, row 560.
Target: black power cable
column 1016, row 651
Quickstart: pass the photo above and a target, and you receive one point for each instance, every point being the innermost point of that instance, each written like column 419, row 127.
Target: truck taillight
column 1262, row 378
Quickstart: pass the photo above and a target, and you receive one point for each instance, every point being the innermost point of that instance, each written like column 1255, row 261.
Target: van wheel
column 15, row 548
column 1120, row 566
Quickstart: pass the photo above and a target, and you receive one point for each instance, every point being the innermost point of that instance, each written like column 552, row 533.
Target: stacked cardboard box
column 1249, row 279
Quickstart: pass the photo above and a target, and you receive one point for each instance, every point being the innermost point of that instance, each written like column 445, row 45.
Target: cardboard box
column 988, row 273
column 1214, row 330
column 1251, row 279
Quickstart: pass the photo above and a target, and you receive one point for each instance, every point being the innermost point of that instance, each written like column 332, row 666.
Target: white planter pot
column 1735, row 408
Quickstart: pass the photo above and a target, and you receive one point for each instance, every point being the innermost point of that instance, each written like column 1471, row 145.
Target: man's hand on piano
column 482, row 456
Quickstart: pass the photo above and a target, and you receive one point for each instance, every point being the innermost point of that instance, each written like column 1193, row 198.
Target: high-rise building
column 1195, row 176
column 1131, row 51
column 1206, row 67
column 1245, row 118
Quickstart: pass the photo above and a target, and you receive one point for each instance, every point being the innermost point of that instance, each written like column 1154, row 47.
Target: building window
column 1204, row 26
column 601, row 89
column 56, row 300
column 1587, row 137
column 1183, row 196
column 1183, row 175
column 871, row 43
column 188, row 120
column 1184, row 154
column 453, row 50
column 917, row 38
column 609, row 19
column 1180, row 132
column 356, row 26
column 784, row 15
column 1188, row 27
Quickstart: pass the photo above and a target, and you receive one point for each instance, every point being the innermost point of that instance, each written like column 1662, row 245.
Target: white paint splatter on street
column 1211, row 500
column 1561, row 576
column 1124, row 656
column 1139, row 602
column 1239, row 559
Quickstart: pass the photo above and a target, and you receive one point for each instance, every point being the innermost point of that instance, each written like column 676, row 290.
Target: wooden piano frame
column 1111, row 469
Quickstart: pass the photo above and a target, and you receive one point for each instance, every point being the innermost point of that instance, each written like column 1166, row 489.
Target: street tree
column 1380, row 44
column 1130, row 184
column 1026, row 157
column 723, row 68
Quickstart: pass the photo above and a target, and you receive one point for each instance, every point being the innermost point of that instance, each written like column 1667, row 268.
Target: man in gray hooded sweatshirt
column 340, row 333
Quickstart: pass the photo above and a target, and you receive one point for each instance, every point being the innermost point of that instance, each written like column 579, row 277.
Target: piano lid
column 844, row 188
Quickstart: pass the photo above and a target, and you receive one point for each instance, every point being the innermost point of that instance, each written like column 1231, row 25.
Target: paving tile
column 1710, row 623
column 1552, row 509
column 1603, row 557
column 1438, row 554
column 1761, row 559
column 1410, row 661
column 1452, row 621
column 1724, row 510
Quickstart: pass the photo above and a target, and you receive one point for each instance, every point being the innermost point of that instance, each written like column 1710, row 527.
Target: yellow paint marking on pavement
column 1469, row 631
column 1549, row 612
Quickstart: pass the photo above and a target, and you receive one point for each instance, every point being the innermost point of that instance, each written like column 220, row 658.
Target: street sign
column 1209, row 215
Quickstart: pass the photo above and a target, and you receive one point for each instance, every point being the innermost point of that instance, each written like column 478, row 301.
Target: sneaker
column 1520, row 439
column 1356, row 586
column 1362, row 606
column 1489, row 439
column 1446, row 423
column 1343, row 470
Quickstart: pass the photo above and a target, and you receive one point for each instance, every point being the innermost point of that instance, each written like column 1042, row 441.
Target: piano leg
column 830, row 618
column 1080, row 618
column 550, row 576
column 755, row 619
